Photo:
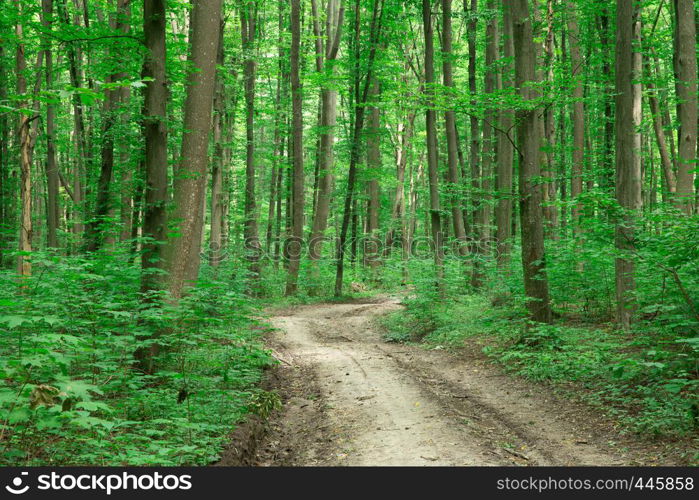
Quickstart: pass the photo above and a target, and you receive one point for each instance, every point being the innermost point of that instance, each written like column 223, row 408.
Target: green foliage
column 71, row 393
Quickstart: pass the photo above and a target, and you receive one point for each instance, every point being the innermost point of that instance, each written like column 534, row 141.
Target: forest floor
column 351, row 398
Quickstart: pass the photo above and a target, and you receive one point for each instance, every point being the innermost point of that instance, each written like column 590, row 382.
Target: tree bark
column 665, row 159
column 155, row 140
column 25, row 156
column 360, row 99
column 96, row 228
column 475, row 146
column 190, row 177
column 327, row 46
column 432, row 159
column 373, row 172
column 293, row 246
column 503, row 211
column 52, row 182
column 576, row 63
column 528, row 130
column 686, row 89
column 248, row 20
column 216, row 233
column 628, row 145
column 455, row 200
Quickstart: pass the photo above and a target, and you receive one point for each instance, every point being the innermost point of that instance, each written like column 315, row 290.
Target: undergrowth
column 70, row 392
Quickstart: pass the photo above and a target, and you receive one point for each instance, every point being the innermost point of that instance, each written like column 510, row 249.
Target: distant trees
column 284, row 120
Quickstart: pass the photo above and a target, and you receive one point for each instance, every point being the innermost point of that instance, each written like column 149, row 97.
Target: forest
column 507, row 182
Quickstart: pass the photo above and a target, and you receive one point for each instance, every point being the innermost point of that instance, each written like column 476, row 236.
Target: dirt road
column 353, row 399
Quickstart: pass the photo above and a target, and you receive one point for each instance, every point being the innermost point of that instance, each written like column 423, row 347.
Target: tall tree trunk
column 550, row 211
column 503, row 210
column 607, row 178
column 155, row 140
column 216, row 233
column 628, row 145
column 360, row 100
column 52, row 182
column 248, row 18
column 293, row 247
column 488, row 151
column 190, row 177
column 398, row 212
column 578, row 113
column 96, row 228
column 528, row 130
column 25, row 156
column 432, row 159
column 327, row 46
column 475, row 147
column 656, row 115
column 371, row 245
column 455, row 200
column 6, row 195
column 686, row 89
column 79, row 133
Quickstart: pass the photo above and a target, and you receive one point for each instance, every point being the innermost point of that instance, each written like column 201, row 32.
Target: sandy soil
column 351, row 398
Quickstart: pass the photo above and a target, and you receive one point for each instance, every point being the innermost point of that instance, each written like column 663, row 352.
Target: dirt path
column 353, row 399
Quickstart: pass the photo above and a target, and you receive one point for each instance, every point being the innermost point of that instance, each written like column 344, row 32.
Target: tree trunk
column 360, row 99
column 25, row 156
column 665, row 159
column 550, row 212
column 503, row 210
column 52, row 182
column 327, row 46
column 450, row 127
column 528, row 130
column 475, row 147
column 79, row 133
column 686, row 89
column 628, row 145
column 155, row 140
column 96, row 228
column 431, row 127
column 371, row 245
column 190, row 177
column 248, row 20
column 578, row 113
column 215, row 235
column 293, row 247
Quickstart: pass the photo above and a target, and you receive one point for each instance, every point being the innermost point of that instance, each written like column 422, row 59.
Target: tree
column 685, row 64
column 431, row 128
column 96, row 229
column 360, row 96
column 505, row 157
column 450, row 128
column 327, row 46
column 248, row 22
column 190, row 176
column 528, row 144
column 52, row 181
column 628, row 146
column 25, row 155
column 293, row 247
column 576, row 63
column 155, row 141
